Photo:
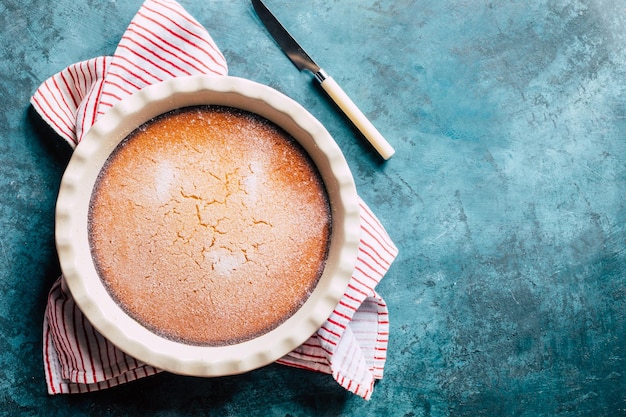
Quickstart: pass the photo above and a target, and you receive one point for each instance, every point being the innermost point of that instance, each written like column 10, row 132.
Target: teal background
column 505, row 198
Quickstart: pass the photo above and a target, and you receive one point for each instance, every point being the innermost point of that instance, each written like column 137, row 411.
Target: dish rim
column 71, row 234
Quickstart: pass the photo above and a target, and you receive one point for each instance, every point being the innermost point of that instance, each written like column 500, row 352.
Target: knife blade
column 303, row 61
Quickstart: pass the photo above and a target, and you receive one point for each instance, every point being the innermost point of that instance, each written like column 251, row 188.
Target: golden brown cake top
column 209, row 225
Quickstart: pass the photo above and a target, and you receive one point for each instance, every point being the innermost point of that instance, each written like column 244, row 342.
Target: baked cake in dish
column 209, row 225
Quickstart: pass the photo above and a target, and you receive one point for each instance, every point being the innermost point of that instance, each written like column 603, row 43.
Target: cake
column 209, row 225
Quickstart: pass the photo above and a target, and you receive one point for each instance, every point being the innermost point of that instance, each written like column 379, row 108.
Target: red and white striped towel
column 161, row 42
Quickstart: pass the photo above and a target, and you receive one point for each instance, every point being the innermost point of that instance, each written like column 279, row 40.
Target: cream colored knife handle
column 355, row 115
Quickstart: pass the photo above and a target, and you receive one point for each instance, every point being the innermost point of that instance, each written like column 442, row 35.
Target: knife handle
column 357, row 117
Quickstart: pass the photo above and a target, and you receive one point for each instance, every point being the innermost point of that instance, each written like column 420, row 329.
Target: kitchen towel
column 161, row 42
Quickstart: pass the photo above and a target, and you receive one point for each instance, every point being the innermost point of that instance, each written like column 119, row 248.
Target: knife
column 303, row 61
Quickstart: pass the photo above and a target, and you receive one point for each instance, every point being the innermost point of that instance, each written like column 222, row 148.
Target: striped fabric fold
column 76, row 357
column 164, row 41
column 67, row 100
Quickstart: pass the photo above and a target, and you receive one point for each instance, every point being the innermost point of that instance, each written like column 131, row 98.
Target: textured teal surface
column 505, row 198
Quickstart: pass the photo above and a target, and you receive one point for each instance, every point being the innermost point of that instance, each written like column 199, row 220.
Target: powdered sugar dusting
column 214, row 216
column 164, row 180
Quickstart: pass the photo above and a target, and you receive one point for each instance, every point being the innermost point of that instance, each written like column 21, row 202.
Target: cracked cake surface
column 209, row 225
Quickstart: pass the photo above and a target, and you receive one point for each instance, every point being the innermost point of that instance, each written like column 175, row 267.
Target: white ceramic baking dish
column 88, row 289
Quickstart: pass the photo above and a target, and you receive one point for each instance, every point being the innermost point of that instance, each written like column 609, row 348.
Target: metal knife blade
column 303, row 61
column 287, row 43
